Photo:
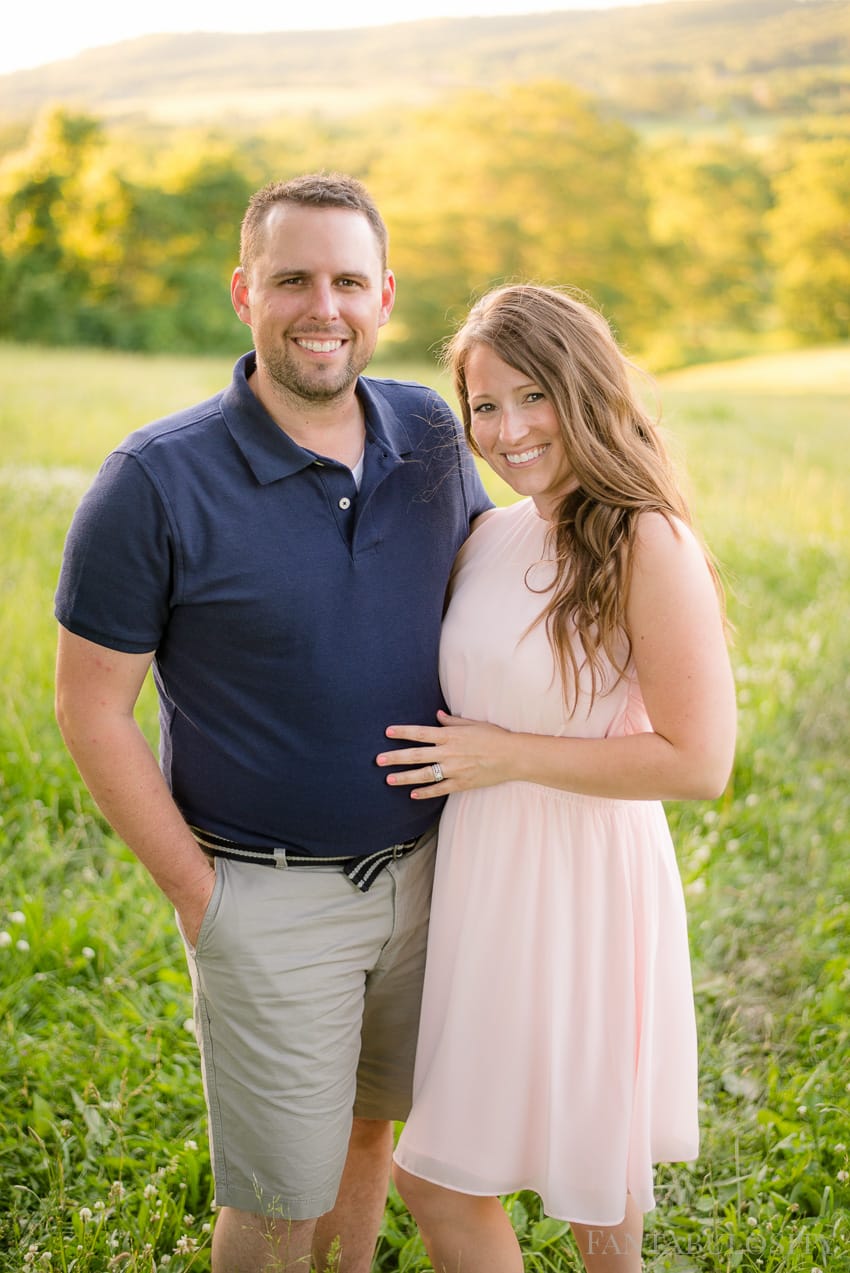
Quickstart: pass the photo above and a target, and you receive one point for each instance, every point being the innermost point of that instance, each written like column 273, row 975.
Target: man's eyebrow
column 299, row 272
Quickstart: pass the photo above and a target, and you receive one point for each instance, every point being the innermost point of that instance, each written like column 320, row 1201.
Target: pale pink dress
column 557, row 1046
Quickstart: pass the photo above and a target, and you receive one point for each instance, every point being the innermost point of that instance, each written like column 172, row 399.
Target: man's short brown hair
column 315, row 190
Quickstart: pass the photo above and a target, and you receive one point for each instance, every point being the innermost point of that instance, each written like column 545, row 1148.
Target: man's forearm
column 122, row 774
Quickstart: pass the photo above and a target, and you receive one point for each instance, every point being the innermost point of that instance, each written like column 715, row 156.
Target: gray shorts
column 307, row 996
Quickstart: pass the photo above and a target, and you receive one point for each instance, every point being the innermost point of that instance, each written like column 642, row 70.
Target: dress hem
column 645, row 1207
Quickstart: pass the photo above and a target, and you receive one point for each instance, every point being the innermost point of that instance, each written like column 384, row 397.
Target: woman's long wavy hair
column 614, row 449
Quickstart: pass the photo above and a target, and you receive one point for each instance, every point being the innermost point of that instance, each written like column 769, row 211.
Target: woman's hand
column 456, row 755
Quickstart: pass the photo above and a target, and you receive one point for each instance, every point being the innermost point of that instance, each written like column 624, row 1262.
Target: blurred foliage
column 694, row 246
column 809, row 227
column 530, row 182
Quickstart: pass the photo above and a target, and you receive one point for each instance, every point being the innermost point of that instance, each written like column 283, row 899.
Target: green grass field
column 103, row 1161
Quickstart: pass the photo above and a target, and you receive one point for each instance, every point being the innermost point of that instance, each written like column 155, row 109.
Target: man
column 280, row 555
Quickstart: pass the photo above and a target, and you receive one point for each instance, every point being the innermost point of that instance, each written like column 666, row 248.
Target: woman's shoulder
column 505, row 516
column 657, row 531
column 667, row 548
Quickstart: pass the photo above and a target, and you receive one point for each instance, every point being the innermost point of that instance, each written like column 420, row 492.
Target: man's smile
column 327, row 346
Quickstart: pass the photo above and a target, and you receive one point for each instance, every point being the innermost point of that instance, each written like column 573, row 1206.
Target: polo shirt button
column 345, row 502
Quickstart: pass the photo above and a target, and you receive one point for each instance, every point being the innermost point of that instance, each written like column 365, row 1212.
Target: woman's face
column 517, row 431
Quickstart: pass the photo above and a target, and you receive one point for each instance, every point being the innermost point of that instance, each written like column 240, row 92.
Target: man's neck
column 334, row 428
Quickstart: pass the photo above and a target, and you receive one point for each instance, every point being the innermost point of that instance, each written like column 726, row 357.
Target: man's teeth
column 320, row 346
column 522, row 457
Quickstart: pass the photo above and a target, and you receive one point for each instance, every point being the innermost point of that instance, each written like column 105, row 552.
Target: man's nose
column 324, row 305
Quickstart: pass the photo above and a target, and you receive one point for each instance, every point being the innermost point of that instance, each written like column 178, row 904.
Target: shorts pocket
column 210, row 914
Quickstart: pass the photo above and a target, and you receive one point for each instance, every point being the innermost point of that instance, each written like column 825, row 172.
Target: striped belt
column 361, row 871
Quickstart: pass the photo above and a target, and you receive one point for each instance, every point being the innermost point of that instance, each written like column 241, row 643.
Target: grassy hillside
column 756, row 58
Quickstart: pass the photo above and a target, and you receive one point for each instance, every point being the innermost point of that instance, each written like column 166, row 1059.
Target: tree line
column 691, row 245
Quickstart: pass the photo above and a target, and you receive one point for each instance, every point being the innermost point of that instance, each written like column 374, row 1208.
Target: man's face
column 314, row 298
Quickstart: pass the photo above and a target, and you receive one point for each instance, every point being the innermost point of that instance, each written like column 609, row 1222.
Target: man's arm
column 96, row 693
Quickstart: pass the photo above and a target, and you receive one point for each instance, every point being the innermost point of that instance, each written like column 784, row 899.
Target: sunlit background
column 35, row 38
column 685, row 164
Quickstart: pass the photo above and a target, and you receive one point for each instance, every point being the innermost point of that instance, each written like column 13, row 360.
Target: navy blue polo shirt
column 293, row 616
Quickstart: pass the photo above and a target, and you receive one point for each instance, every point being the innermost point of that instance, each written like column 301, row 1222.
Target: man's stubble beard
column 291, row 379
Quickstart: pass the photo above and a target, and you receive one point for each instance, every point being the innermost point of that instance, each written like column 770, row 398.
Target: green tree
column 44, row 280
column 709, row 201
column 810, row 238
column 194, row 249
column 91, row 256
column 530, row 183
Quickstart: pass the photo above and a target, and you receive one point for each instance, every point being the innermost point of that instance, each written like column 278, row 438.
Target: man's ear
column 387, row 297
column 240, row 296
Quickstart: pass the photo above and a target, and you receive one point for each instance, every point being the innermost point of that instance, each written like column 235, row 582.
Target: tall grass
column 103, row 1162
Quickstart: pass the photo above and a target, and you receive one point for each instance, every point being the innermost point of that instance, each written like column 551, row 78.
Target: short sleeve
column 116, row 583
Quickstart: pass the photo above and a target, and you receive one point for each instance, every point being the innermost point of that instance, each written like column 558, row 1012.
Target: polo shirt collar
column 383, row 423
column 270, row 453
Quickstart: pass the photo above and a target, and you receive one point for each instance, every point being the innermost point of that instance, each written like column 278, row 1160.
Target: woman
column 585, row 664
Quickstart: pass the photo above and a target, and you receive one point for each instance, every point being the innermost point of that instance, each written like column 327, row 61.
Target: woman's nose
column 512, row 426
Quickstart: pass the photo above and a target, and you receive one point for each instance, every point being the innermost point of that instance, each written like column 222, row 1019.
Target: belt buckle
column 401, row 850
